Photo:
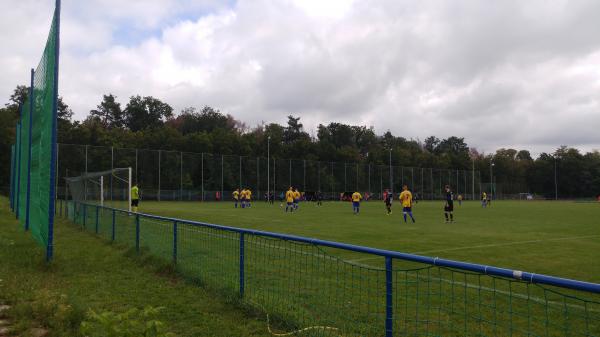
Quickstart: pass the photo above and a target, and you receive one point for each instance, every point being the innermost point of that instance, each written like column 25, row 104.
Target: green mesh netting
column 44, row 95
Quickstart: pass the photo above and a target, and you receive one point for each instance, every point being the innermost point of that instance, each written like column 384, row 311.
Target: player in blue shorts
column 356, row 198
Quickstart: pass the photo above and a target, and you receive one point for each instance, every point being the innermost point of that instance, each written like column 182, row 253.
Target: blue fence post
column 113, row 225
column 97, row 217
column 137, row 232
column 389, row 298
column 174, row 242
column 242, row 264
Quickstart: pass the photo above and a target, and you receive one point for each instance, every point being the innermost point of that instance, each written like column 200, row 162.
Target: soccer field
column 555, row 238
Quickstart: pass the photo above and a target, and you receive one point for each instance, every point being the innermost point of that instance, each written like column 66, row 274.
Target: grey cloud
column 503, row 73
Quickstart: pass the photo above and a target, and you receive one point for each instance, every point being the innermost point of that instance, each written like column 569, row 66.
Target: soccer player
column 248, row 197
column 236, row 197
column 289, row 198
column 449, row 206
column 320, row 198
column 135, row 197
column 459, row 198
column 406, row 200
column 483, row 199
column 243, row 198
column 356, row 197
column 388, row 198
column 296, row 198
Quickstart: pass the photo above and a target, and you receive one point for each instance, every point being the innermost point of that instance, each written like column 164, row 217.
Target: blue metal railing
column 388, row 256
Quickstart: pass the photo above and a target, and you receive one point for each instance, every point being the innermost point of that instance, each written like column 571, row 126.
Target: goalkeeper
column 135, row 198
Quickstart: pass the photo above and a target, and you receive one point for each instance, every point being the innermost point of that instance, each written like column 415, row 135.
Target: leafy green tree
column 109, row 112
column 146, row 113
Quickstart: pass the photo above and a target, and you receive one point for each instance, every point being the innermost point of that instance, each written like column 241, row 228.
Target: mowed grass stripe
column 522, row 235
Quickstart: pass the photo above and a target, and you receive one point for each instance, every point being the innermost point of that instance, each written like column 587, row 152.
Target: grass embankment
column 90, row 273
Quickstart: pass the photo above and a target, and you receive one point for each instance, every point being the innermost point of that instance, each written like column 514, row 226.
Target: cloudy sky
column 523, row 74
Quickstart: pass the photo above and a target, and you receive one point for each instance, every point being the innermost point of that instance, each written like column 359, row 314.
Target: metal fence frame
column 177, row 175
column 387, row 255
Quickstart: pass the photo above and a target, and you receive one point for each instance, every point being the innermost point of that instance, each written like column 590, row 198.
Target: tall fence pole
column 222, row 177
column 240, row 166
column 158, row 195
column 345, row 168
column 422, row 184
column 357, row 177
column 136, row 165
column 319, row 176
column 180, row 176
column 369, row 177
column 304, row 175
column 202, row 174
column 391, row 177
column 257, row 177
column 86, row 172
column 290, row 172
column 112, row 166
column 432, row 183
column 332, row 182
column 473, row 180
column 381, row 181
column 402, row 175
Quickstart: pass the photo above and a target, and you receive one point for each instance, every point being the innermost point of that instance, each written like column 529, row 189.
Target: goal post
column 91, row 188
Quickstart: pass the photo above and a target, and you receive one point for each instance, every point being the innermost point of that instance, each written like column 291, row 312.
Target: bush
column 132, row 323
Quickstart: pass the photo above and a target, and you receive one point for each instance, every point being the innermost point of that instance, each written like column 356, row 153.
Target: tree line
column 147, row 122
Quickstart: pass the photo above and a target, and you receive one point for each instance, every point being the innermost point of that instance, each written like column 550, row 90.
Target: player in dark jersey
column 449, row 206
column 388, row 197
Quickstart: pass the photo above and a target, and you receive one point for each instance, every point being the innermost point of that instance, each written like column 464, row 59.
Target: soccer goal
column 107, row 188
column 525, row 196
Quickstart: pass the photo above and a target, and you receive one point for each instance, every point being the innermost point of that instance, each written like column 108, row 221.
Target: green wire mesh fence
column 307, row 290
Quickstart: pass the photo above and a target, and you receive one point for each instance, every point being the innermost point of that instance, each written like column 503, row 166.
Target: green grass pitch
column 555, row 238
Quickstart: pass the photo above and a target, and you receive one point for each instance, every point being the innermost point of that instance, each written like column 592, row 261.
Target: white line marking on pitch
column 490, row 245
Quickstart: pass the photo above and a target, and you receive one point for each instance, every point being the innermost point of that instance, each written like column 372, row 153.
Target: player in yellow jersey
column 406, row 199
column 243, row 196
column 483, row 199
column 135, row 197
column 248, row 197
column 289, row 198
column 236, row 197
column 356, row 198
column 296, row 198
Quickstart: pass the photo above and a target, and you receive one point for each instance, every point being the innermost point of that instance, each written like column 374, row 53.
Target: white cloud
column 507, row 73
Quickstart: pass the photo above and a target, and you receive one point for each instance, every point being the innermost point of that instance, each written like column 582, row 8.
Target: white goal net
column 110, row 188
